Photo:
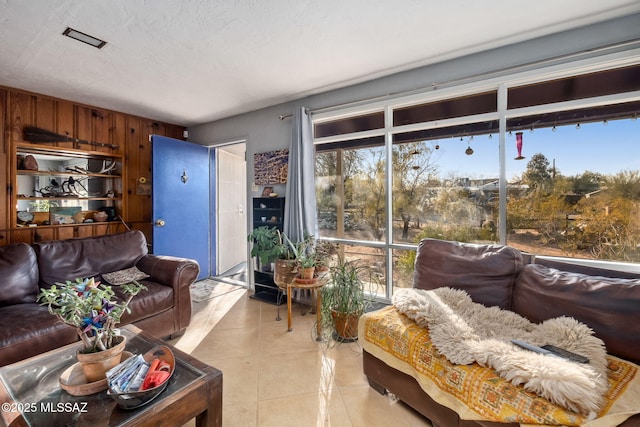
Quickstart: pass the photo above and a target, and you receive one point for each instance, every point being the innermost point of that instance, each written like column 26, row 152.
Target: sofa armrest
column 178, row 273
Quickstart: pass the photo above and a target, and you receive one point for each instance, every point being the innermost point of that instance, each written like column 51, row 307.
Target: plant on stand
column 343, row 301
column 306, row 256
column 90, row 308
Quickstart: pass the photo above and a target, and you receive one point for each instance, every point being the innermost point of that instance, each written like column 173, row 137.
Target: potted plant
column 267, row 246
column 90, row 308
column 307, row 264
column 343, row 300
column 286, row 263
column 325, row 250
column 305, row 255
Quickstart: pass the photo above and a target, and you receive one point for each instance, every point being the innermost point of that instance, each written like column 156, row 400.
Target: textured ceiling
column 193, row 61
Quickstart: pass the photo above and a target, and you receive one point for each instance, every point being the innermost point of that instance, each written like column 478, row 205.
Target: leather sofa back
column 61, row 260
column 18, row 274
column 486, row 272
column 607, row 305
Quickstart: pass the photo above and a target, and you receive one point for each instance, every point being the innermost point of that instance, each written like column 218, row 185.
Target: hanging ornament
column 519, row 145
column 468, row 151
column 437, row 146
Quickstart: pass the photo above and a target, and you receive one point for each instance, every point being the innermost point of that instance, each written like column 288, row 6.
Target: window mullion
column 388, row 124
column 502, row 197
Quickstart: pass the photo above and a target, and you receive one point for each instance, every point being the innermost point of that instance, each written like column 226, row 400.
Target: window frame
column 539, row 73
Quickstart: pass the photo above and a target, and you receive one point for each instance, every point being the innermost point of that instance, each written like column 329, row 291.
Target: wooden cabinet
column 125, row 140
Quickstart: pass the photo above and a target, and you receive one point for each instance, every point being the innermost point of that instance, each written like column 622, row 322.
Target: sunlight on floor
column 206, row 314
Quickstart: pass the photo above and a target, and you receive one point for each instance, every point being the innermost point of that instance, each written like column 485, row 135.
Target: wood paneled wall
column 131, row 133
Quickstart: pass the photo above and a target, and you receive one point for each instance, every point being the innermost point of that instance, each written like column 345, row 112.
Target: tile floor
column 277, row 378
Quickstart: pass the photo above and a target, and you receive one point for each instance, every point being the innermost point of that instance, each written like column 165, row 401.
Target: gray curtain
column 300, row 218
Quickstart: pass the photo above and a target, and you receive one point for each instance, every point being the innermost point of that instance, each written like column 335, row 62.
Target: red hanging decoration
column 519, row 145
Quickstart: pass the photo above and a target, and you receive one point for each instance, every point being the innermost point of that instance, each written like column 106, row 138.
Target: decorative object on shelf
column 25, row 217
column 271, row 167
column 110, row 211
column 37, row 135
column 29, row 163
column 91, row 309
column 267, row 192
column 100, row 216
column 519, row 146
column 78, row 217
column 64, row 214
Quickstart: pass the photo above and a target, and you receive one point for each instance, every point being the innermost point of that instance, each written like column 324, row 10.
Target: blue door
column 181, row 200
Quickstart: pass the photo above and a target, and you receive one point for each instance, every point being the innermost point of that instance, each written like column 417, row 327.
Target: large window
column 555, row 172
column 579, row 191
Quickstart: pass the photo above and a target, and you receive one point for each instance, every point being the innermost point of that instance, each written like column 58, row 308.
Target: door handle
column 160, row 222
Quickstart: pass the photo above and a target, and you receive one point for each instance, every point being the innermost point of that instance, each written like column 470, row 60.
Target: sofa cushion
column 29, row 329
column 155, row 299
column 18, row 274
column 61, row 260
column 607, row 305
column 486, row 272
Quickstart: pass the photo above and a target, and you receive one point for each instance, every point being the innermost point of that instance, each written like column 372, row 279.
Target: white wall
column 264, row 131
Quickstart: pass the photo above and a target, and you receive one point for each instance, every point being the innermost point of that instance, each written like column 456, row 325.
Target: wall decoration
column 271, row 167
column 143, row 187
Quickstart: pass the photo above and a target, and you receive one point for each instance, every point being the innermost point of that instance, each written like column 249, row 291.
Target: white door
column 232, row 209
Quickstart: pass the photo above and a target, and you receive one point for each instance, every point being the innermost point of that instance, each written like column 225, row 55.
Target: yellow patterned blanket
column 478, row 393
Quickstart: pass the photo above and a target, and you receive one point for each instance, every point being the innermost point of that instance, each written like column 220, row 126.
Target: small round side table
column 312, row 284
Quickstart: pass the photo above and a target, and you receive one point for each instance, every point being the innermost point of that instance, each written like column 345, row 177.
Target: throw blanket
column 466, row 332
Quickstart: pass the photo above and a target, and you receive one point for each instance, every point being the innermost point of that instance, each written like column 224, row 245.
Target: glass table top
column 34, row 386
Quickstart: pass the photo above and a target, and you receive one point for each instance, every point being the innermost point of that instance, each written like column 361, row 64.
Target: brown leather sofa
column 496, row 275
column 28, row 329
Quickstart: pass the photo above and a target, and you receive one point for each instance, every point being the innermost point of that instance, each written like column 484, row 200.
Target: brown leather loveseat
column 607, row 301
column 28, row 329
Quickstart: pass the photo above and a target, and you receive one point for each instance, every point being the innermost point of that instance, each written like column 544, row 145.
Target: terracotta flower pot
column 306, row 272
column 95, row 365
column 285, row 271
column 346, row 325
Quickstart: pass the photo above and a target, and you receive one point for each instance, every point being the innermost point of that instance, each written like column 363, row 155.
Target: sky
column 604, row 148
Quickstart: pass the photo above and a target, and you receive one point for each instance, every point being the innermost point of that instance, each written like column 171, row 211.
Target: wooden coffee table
column 30, row 393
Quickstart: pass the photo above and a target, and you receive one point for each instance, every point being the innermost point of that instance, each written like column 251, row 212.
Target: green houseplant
column 267, row 246
column 92, row 310
column 305, row 255
column 343, row 300
column 272, row 246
